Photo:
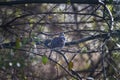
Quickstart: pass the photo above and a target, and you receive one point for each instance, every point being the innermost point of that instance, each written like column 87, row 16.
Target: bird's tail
column 47, row 43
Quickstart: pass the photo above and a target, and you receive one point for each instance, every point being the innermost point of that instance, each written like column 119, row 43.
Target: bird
column 56, row 42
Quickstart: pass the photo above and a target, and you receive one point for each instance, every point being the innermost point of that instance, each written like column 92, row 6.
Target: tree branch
column 9, row 3
column 92, row 37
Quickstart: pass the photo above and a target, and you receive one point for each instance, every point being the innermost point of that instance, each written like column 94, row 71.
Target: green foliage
column 8, row 60
column 13, row 60
column 83, row 50
column 70, row 65
column 68, row 2
column 18, row 12
column 25, row 41
column 32, row 20
column 18, row 43
column 116, row 57
column 110, row 8
column 44, row 59
column 41, row 28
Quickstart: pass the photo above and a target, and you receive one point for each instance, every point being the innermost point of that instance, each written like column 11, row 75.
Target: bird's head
column 62, row 35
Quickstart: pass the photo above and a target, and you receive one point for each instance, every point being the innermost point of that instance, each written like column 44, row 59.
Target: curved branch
column 110, row 15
